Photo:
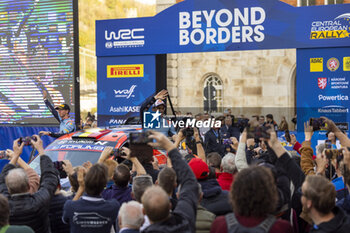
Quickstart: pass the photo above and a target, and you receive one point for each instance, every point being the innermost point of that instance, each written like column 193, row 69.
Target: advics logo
column 322, row 83
column 333, row 64
column 125, row 38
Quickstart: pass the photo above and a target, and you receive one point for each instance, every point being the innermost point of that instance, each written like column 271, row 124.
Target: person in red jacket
column 228, row 168
column 254, row 199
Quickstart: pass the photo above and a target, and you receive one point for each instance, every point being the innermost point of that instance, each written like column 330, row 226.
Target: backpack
column 233, row 226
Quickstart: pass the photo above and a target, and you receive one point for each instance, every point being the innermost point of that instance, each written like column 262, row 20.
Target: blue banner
column 323, row 77
column 123, row 83
column 225, row 25
column 9, row 134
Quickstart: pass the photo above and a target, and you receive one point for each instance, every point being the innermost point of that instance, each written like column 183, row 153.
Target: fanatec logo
column 125, row 38
column 125, row 93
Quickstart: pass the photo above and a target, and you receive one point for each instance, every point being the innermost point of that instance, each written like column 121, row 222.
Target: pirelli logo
column 125, row 71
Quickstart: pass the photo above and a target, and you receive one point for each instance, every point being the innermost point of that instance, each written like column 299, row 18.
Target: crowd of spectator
column 225, row 181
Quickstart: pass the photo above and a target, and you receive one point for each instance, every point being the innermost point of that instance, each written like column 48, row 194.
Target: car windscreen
column 76, row 157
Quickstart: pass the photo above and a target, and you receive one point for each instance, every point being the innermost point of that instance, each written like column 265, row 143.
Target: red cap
column 199, row 168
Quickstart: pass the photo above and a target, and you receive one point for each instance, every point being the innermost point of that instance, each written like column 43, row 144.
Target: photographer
column 33, row 178
column 29, row 209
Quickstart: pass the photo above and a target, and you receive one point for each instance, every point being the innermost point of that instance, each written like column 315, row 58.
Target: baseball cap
column 158, row 103
column 199, row 168
column 63, row 107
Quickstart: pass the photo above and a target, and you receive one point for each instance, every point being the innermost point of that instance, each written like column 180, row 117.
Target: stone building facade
column 247, row 82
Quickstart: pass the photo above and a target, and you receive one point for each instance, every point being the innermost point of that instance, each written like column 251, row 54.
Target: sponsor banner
column 123, row 83
column 225, row 25
column 323, row 85
column 125, row 71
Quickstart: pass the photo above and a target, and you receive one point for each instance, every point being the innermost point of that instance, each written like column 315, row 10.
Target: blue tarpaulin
column 10, row 133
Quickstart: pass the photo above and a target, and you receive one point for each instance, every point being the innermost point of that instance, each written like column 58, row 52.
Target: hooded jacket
column 215, row 199
column 121, row 194
column 340, row 223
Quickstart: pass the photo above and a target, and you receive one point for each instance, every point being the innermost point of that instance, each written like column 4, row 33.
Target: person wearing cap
column 61, row 113
column 214, row 199
column 157, row 105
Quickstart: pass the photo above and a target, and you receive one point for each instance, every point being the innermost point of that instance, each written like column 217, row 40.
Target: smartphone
column 3, row 155
column 317, row 123
column 139, row 138
column 328, row 144
column 258, row 132
column 287, row 136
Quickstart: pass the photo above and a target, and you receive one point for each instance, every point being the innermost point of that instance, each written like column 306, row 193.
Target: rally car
column 87, row 145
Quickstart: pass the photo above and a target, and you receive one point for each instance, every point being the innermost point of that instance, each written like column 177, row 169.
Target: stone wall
column 254, row 82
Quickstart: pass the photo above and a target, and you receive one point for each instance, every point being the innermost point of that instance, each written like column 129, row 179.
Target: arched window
column 212, row 93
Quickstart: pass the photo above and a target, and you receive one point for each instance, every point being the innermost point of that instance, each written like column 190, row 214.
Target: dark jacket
column 121, row 194
column 215, row 199
column 129, row 231
column 55, row 214
column 340, row 223
column 32, row 209
column 213, row 142
column 345, row 204
column 183, row 218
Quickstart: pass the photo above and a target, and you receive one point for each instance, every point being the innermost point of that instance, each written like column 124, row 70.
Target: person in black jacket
column 29, row 209
column 213, row 142
column 156, row 202
column 318, row 199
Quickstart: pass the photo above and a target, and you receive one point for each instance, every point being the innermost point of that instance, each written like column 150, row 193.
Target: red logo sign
column 322, row 83
column 333, row 64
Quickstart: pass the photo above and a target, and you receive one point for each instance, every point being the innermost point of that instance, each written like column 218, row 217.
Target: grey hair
column 199, row 189
column 140, row 184
column 320, row 148
column 17, row 181
column 228, row 163
column 131, row 214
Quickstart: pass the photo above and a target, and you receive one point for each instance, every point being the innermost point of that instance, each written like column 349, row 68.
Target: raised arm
column 17, row 151
column 187, row 204
column 306, row 161
column 140, row 170
column 343, row 138
column 50, row 107
column 241, row 159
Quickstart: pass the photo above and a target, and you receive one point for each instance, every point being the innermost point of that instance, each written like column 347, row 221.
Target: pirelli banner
column 123, row 84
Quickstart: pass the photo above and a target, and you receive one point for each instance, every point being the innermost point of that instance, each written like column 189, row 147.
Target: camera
column 140, row 138
column 3, row 155
column 335, row 153
column 226, row 141
column 117, row 152
column 317, row 123
column 188, row 132
column 59, row 167
column 26, row 140
column 242, row 123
